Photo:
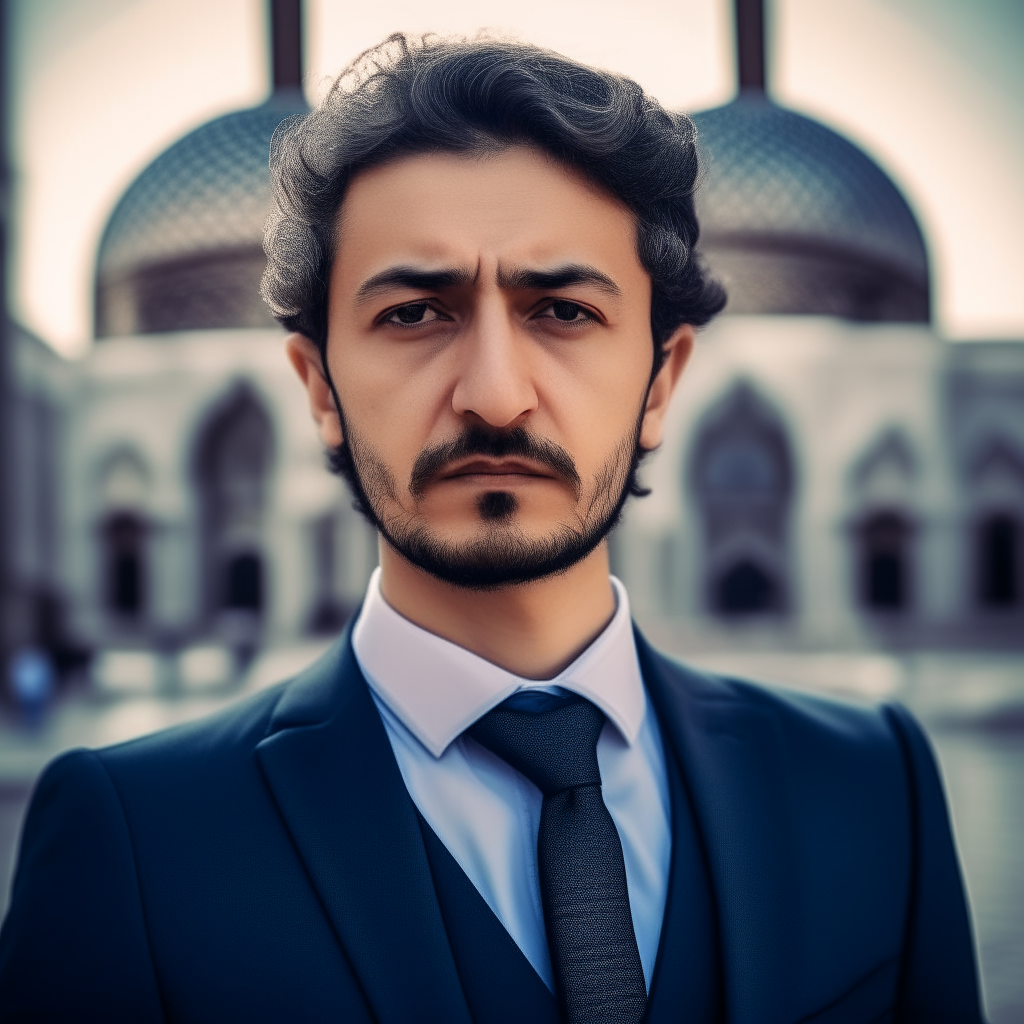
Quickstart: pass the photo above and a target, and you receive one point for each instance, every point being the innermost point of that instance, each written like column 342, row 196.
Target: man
column 492, row 800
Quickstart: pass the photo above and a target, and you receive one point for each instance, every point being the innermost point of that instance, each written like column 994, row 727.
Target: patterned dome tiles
column 773, row 177
column 773, row 173
column 209, row 191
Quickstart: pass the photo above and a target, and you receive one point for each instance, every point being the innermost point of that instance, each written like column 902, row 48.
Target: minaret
column 178, row 255
column 750, row 48
column 286, row 48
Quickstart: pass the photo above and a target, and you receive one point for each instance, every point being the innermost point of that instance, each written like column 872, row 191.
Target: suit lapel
column 734, row 763
column 688, row 971
column 329, row 764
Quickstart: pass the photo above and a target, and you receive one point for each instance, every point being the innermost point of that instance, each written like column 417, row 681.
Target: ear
column 305, row 357
column 677, row 353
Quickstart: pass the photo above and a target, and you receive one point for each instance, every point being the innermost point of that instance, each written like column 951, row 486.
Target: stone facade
column 835, row 475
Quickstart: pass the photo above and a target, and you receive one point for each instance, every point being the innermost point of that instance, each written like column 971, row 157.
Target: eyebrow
column 559, row 277
column 413, row 277
column 516, row 278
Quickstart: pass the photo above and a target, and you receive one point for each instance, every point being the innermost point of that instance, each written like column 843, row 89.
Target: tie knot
column 555, row 749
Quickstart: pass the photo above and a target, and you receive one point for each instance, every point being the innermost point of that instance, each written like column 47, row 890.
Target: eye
column 566, row 312
column 413, row 314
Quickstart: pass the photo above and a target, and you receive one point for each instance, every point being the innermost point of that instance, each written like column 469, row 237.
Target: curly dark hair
column 425, row 95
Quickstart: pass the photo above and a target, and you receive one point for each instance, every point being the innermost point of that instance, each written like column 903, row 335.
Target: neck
column 531, row 629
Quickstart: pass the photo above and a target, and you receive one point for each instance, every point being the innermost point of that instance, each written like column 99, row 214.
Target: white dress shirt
column 429, row 691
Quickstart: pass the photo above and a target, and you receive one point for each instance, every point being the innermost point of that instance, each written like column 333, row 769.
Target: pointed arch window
column 885, row 561
column 741, row 475
column 327, row 611
column 123, row 483
column 123, row 536
column 999, row 537
column 995, row 476
column 244, row 582
column 233, row 465
column 745, row 588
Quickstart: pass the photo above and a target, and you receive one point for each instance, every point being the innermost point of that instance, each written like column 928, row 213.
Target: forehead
column 514, row 205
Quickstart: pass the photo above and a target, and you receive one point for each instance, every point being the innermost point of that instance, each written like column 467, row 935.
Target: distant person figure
column 32, row 683
column 493, row 800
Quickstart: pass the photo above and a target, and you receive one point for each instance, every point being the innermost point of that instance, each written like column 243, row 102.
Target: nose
column 495, row 384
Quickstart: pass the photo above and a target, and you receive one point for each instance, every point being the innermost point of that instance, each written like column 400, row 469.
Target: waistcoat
column 500, row 984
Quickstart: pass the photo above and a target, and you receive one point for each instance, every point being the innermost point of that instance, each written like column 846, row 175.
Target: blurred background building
column 173, row 495
column 835, row 472
column 836, row 475
column 838, row 504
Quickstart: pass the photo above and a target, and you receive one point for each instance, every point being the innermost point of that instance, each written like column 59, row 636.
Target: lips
column 495, row 467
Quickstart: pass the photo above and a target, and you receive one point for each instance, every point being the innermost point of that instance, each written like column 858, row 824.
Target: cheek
column 391, row 399
column 594, row 401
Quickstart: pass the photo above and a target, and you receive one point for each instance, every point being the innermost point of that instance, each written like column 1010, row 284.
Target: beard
column 504, row 555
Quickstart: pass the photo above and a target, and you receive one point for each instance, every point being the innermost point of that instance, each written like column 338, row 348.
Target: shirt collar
column 438, row 689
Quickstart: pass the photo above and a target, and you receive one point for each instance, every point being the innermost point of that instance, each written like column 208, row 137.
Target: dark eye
column 413, row 314
column 562, row 310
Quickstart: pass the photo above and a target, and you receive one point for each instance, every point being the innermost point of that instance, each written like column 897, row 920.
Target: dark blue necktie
column 598, row 975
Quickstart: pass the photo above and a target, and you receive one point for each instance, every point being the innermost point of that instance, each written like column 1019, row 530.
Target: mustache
column 499, row 444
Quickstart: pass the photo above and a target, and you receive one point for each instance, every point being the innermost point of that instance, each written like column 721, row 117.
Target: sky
column 931, row 89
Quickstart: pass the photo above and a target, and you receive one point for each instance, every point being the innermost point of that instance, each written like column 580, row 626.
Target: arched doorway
column 124, row 534
column 741, row 474
column 999, row 561
column 885, row 540
column 233, row 462
column 123, row 540
column 884, row 487
column 744, row 587
column 996, row 481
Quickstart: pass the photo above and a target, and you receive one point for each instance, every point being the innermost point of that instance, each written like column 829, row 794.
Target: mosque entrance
column 741, row 475
column 244, row 582
column 743, row 588
column 885, row 561
column 233, row 463
column 123, row 536
column 999, row 561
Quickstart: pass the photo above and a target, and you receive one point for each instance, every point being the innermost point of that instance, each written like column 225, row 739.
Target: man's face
column 489, row 340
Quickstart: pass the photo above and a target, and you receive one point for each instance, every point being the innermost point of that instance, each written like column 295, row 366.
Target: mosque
column 835, row 476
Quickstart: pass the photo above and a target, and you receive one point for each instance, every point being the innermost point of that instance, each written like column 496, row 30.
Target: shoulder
column 231, row 732
column 809, row 730
column 231, row 735
column 188, row 757
column 210, row 768
column 840, row 805
column 862, row 770
column 778, row 703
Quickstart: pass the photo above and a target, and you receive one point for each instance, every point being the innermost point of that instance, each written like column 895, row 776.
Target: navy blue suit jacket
column 267, row 864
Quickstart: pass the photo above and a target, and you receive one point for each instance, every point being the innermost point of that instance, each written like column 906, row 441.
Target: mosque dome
column 183, row 248
column 796, row 219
